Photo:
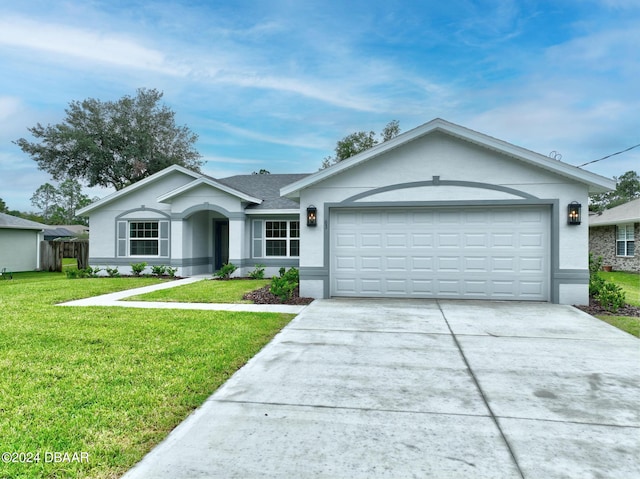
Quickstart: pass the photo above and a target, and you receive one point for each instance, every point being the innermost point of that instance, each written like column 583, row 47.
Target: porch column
column 236, row 243
column 176, row 245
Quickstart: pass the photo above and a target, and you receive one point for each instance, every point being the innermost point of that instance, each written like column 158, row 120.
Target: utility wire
column 609, row 156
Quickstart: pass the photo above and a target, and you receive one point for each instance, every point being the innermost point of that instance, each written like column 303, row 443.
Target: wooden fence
column 52, row 252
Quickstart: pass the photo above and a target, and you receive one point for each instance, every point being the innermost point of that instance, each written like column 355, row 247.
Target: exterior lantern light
column 574, row 213
column 312, row 216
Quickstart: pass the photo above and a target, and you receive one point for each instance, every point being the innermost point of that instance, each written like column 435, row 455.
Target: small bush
column 89, row 272
column 258, row 272
column 138, row 268
column 113, row 272
column 226, row 271
column 171, row 272
column 284, row 285
column 158, row 270
column 610, row 296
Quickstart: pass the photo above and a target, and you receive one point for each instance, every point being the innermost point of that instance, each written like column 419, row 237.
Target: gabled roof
column 266, row 187
column 205, row 180
column 626, row 213
column 13, row 222
column 596, row 183
column 137, row 185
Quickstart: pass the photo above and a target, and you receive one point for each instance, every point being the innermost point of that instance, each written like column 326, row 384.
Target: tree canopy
column 58, row 205
column 113, row 143
column 627, row 189
column 360, row 141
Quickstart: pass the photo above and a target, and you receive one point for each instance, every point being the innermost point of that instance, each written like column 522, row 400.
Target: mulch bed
column 264, row 296
column 594, row 309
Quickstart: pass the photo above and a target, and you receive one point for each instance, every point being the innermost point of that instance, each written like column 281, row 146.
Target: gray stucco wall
column 602, row 242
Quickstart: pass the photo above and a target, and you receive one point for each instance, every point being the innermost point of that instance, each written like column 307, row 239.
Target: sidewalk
column 115, row 299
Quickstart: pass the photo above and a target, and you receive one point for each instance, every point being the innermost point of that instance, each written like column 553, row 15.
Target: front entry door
column 221, row 244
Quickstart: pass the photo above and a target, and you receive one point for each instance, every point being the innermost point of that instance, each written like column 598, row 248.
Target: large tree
column 113, row 143
column 627, row 189
column 360, row 141
column 58, row 205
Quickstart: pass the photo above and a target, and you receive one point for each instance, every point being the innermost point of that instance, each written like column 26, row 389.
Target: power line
column 609, row 156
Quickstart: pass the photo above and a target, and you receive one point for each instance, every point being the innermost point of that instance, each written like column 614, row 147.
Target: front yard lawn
column 206, row 291
column 630, row 283
column 106, row 383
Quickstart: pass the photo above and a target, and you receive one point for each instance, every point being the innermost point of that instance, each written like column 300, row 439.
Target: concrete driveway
column 421, row 388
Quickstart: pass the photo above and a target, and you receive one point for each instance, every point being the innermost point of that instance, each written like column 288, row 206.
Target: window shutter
column 164, row 238
column 122, row 238
column 257, row 238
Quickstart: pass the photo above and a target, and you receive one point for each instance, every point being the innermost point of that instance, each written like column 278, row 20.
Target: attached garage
column 443, row 211
column 471, row 253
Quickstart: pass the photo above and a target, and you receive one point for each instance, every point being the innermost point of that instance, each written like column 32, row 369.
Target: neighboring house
column 57, row 233
column 20, row 243
column 440, row 211
column 612, row 235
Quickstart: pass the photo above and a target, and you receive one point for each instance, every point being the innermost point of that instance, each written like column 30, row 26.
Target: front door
column 221, row 244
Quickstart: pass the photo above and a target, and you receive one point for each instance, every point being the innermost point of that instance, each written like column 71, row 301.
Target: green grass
column 111, row 382
column 629, row 282
column 206, row 291
column 626, row 323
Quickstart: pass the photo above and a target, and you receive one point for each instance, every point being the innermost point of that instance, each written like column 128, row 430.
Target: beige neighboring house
column 20, row 243
column 612, row 235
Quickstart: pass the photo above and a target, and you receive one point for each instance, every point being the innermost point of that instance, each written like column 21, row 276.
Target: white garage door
column 475, row 253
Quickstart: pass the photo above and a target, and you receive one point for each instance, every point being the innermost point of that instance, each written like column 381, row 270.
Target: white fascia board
column 208, row 182
column 135, row 186
column 596, row 183
column 257, row 212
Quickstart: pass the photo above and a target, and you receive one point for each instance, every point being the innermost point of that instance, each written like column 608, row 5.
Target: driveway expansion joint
column 481, row 392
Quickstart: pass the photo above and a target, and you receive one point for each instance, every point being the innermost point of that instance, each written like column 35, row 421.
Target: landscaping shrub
column 226, row 271
column 158, row 270
column 610, row 296
column 258, row 272
column 284, row 285
column 138, row 268
column 171, row 272
column 113, row 272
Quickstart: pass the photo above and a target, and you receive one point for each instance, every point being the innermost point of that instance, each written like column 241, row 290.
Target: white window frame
column 292, row 235
column 625, row 238
column 131, row 239
column 124, row 238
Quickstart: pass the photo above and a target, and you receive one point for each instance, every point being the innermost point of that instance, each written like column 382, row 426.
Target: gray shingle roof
column 10, row 221
column 266, row 187
column 626, row 213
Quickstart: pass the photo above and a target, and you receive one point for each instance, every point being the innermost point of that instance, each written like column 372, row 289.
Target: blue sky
column 274, row 84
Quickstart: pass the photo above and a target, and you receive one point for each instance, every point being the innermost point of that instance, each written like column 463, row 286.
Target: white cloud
column 97, row 46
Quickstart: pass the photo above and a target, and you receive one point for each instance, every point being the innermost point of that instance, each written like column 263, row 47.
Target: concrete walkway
column 116, row 299
column 419, row 388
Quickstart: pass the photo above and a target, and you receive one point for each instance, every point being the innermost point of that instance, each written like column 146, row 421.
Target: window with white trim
column 282, row 238
column 625, row 244
column 144, row 238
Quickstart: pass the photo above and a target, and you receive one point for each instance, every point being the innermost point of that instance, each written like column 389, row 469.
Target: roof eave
column 596, row 183
column 210, row 182
column 149, row 179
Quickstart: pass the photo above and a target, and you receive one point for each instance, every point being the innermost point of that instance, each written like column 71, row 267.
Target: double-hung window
column 625, row 244
column 282, row 238
column 143, row 238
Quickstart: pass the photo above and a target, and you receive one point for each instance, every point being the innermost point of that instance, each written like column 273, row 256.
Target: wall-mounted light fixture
column 574, row 210
column 312, row 216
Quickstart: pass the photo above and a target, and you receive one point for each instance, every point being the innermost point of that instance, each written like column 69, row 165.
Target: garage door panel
column 495, row 253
